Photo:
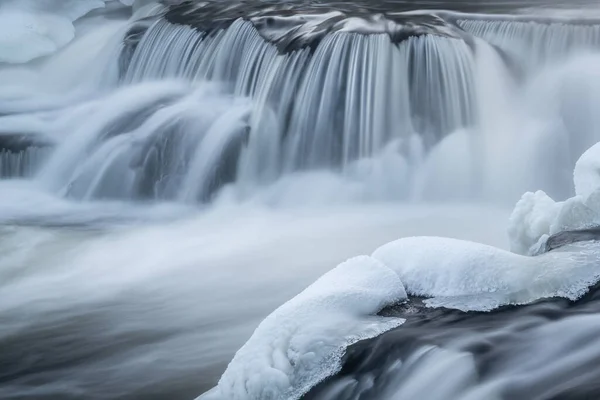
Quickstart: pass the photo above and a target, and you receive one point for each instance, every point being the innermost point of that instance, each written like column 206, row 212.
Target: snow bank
column 302, row 342
column 475, row 277
column 537, row 216
column 30, row 29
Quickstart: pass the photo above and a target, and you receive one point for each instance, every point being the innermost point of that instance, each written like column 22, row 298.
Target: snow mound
column 303, row 341
column 586, row 175
column 31, row 29
column 533, row 217
column 536, row 216
column 471, row 276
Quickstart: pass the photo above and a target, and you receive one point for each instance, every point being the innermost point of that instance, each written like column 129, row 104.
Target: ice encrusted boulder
column 536, row 216
column 471, row 276
column 303, row 341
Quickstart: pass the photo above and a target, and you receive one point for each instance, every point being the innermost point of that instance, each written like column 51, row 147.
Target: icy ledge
column 302, row 342
column 472, row 276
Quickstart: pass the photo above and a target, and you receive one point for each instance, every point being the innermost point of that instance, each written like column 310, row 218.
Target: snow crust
column 472, row 276
column 303, row 341
column 536, row 216
column 31, row 29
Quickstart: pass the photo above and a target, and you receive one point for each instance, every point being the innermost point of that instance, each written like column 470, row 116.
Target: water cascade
column 348, row 91
column 163, row 162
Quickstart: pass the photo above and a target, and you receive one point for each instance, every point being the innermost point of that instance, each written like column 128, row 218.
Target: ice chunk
column 31, row 29
column 302, row 342
column 536, row 215
column 475, row 277
column 586, row 174
column 26, row 36
column 532, row 218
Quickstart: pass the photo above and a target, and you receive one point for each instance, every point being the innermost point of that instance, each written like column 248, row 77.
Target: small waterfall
column 426, row 104
column 536, row 43
column 22, row 164
column 144, row 140
column 343, row 100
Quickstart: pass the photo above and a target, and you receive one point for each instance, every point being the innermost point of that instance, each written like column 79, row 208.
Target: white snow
column 536, row 215
column 31, row 29
column 302, row 342
column 586, row 175
column 471, row 276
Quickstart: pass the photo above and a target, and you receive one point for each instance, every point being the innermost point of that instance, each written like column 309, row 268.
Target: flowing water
column 171, row 174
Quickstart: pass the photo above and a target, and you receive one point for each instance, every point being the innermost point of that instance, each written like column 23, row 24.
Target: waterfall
column 344, row 100
column 23, row 164
column 536, row 43
column 143, row 141
column 432, row 105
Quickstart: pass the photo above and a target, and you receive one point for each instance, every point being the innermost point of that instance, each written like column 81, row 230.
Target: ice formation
column 586, row 175
column 537, row 216
column 472, row 276
column 302, row 342
column 30, row 29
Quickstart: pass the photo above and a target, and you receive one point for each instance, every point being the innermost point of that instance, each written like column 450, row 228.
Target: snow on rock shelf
column 303, row 341
column 472, row 276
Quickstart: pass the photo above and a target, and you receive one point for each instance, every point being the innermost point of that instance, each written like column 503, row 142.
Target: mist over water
column 165, row 185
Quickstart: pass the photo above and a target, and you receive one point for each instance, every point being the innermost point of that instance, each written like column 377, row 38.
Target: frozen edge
column 303, row 342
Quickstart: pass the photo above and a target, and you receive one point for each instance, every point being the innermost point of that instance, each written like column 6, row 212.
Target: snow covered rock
column 303, row 341
column 533, row 217
column 475, row 277
column 537, row 216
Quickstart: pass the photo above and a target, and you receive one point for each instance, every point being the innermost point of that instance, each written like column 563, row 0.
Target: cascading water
column 552, row 40
column 343, row 98
column 172, row 171
column 130, row 148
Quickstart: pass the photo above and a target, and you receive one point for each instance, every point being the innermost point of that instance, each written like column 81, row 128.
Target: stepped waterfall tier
column 286, row 199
